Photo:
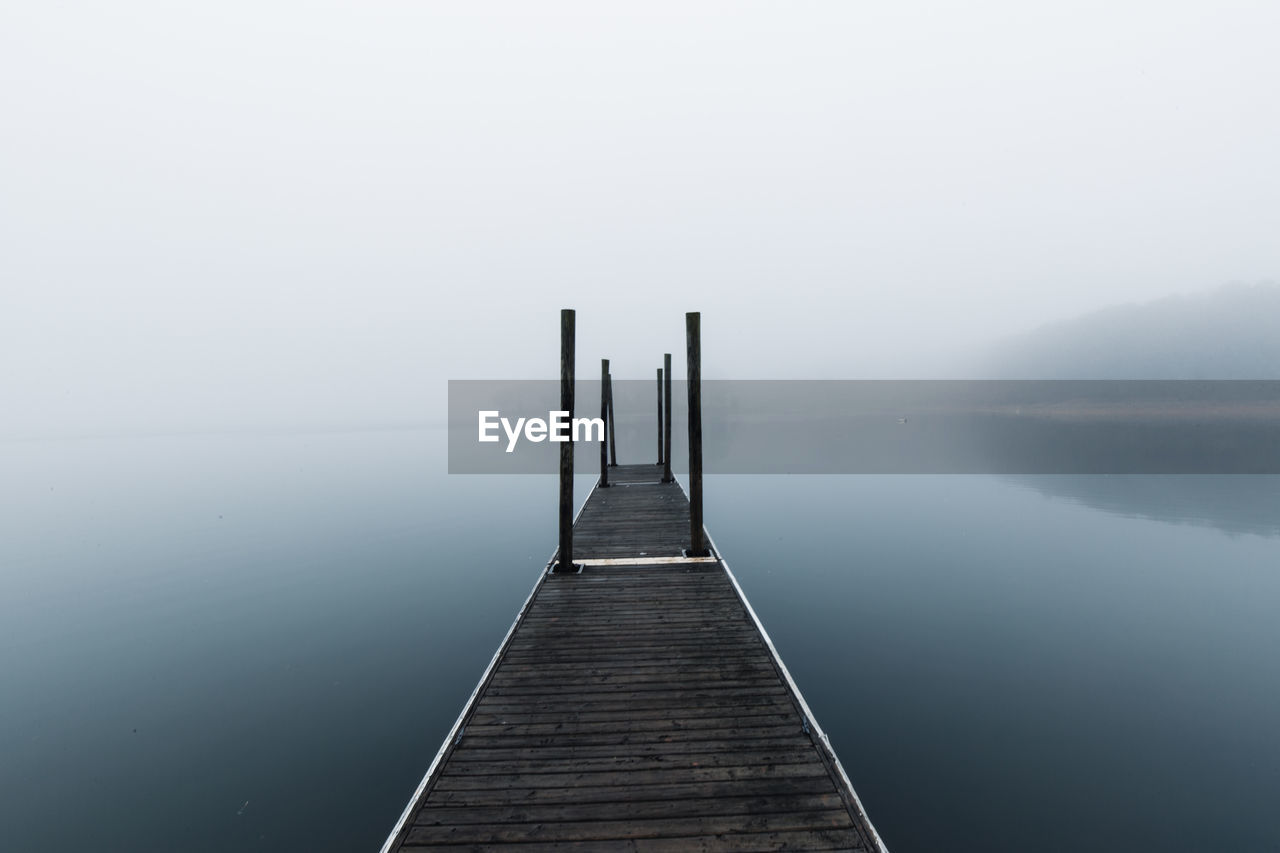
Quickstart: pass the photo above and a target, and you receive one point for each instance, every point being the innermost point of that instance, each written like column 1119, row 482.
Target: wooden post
column 613, row 444
column 604, row 416
column 564, row 562
column 659, row 415
column 666, row 418
column 693, row 341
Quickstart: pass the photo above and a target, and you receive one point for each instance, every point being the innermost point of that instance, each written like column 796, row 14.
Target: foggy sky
column 270, row 213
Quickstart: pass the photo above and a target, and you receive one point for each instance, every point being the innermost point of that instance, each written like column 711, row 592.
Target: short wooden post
column 564, row 562
column 659, row 415
column 693, row 341
column 604, row 417
column 613, row 444
column 666, row 418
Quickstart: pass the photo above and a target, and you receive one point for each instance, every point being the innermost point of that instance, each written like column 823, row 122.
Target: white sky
column 270, row 213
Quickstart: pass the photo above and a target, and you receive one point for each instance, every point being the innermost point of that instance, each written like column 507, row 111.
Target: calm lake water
column 257, row 642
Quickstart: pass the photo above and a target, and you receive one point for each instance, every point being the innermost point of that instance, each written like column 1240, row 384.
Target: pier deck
column 638, row 705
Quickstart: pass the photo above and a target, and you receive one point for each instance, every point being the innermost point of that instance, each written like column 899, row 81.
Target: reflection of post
column 613, row 444
column 565, row 561
column 604, row 419
column 666, row 418
column 659, row 415
column 693, row 341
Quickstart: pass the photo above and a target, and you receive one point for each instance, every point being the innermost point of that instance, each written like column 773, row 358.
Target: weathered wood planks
column 635, row 707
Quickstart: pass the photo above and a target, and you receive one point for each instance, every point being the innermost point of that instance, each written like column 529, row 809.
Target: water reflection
column 1232, row 504
column 293, row 621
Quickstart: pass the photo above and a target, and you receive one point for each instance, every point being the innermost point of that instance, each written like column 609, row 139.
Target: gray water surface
column 257, row 642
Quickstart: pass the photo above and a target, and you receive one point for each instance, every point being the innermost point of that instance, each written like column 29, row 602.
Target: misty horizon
column 259, row 218
column 1230, row 338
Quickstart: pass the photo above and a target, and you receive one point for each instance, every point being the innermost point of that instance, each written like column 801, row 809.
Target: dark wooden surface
column 635, row 707
column 634, row 474
column 638, row 516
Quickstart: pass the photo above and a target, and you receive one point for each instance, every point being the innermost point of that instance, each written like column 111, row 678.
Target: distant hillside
column 1229, row 333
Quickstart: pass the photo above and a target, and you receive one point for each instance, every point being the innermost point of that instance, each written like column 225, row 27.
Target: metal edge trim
column 389, row 844
column 795, row 689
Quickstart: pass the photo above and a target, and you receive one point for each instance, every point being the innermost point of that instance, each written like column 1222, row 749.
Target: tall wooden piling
column 564, row 561
column 659, row 415
column 613, row 444
column 666, row 418
column 604, row 418
column 693, row 342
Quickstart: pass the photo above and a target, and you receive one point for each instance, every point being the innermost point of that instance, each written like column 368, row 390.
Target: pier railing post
column 613, row 444
column 693, row 342
column 564, row 562
column 604, row 417
column 659, row 415
column 666, row 418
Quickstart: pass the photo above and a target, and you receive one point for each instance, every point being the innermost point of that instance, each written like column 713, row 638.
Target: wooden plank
column 821, row 784
column 714, row 618
column 825, row 840
column 635, row 750
column 656, row 642
column 701, row 696
column 625, row 624
column 647, row 676
column 677, row 716
column 633, row 630
column 453, row 815
column 743, row 732
column 651, row 670
column 714, row 649
column 633, row 779
column 607, row 689
column 628, row 656
column 637, row 562
column 662, row 827
column 629, row 682
column 608, row 710
column 661, row 646
column 539, row 763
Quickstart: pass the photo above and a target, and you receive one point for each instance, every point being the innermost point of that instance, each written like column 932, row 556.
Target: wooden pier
column 635, row 704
